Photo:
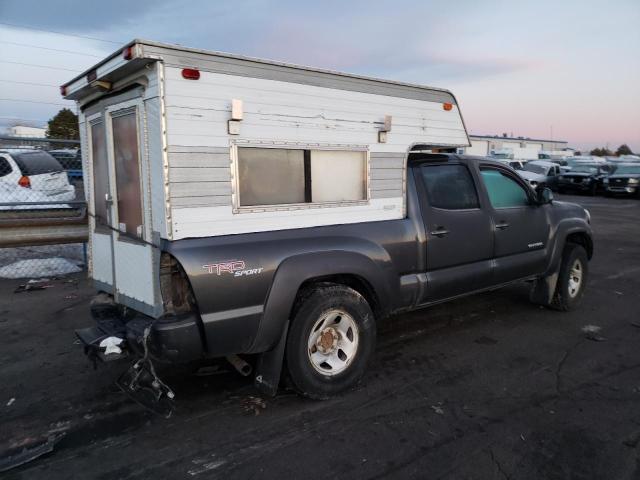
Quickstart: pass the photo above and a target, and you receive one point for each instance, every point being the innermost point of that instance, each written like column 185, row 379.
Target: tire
column 338, row 320
column 572, row 278
column 561, row 190
column 593, row 190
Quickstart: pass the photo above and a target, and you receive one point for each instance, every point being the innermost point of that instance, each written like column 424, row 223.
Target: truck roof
column 152, row 51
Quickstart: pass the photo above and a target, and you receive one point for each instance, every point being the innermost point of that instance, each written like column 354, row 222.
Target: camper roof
column 137, row 53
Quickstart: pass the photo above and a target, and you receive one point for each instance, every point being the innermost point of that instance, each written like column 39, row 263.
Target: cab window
column 504, row 192
column 449, row 187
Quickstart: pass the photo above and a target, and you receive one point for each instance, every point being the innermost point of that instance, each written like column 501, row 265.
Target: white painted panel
column 273, row 110
column 210, row 221
column 537, row 146
column 135, row 272
column 101, row 256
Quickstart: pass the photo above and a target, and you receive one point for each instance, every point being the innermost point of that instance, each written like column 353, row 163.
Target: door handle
column 440, row 232
column 502, row 225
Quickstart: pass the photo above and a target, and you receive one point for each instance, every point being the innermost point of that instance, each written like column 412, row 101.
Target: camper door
column 123, row 256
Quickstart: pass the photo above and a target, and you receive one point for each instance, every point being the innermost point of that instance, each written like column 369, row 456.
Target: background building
column 23, row 131
column 522, row 147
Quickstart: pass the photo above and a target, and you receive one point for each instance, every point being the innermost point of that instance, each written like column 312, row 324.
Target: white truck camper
column 181, row 143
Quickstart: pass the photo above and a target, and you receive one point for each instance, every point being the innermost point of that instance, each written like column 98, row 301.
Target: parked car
column 71, row 161
column 29, row 176
column 625, row 180
column 515, row 164
column 293, row 252
column 541, row 172
column 584, row 177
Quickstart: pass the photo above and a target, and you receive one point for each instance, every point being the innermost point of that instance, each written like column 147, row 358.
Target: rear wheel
column 572, row 278
column 330, row 342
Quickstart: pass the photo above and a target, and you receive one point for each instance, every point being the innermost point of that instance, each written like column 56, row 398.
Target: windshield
column 516, row 165
column 36, row 163
column 585, row 169
column 634, row 169
column 539, row 169
column 506, row 156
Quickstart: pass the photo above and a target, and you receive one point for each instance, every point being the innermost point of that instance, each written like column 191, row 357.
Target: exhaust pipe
column 240, row 365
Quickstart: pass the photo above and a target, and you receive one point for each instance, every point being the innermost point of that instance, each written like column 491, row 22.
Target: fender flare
column 296, row 270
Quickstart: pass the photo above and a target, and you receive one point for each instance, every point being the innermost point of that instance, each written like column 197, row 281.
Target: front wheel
column 330, row 342
column 572, row 278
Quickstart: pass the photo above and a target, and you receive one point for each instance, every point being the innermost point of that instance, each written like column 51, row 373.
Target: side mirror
column 544, row 194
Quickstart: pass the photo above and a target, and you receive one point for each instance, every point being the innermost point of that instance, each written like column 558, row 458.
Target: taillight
column 24, row 182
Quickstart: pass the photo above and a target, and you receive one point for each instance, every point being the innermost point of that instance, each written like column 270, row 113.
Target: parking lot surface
column 485, row 387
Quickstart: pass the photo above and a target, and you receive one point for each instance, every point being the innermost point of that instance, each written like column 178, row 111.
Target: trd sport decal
column 234, row 267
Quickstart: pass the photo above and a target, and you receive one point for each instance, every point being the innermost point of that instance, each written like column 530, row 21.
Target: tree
column 623, row 150
column 601, row 152
column 64, row 125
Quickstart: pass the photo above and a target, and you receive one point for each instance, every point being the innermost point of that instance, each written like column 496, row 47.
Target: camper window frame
column 235, row 176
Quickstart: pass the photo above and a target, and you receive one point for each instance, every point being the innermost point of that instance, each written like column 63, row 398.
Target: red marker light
column 447, row 106
column 24, row 182
column 127, row 53
column 190, row 73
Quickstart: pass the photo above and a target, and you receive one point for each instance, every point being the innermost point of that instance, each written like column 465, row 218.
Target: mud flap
column 543, row 290
column 269, row 367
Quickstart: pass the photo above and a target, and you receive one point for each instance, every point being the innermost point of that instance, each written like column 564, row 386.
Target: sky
column 565, row 70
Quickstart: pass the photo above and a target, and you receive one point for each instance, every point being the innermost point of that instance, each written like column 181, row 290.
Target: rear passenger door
column 521, row 226
column 459, row 233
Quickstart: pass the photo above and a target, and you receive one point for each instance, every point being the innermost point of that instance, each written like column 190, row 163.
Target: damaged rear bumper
column 171, row 339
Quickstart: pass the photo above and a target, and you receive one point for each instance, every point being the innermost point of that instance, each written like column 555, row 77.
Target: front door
column 521, row 225
column 459, row 234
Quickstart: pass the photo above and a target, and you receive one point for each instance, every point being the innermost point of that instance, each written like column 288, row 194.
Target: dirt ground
column 485, row 387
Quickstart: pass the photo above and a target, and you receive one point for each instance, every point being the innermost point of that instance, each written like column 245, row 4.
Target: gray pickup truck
column 304, row 303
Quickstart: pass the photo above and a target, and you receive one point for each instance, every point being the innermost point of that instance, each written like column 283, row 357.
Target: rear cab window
column 503, row 191
column 36, row 163
column 449, row 187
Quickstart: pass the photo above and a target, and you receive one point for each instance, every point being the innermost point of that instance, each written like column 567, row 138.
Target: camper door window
column 283, row 176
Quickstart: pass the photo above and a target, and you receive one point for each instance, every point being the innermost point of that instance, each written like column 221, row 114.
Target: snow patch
column 39, row 267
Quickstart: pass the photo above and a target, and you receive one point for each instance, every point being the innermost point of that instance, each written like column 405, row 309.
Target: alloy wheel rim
column 333, row 342
column 575, row 278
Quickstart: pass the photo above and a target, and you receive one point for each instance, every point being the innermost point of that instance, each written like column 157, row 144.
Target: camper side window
column 279, row 176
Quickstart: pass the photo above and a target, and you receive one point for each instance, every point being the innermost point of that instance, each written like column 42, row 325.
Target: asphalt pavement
column 487, row 387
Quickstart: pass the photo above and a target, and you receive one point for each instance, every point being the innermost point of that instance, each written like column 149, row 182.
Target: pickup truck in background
column 307, row 301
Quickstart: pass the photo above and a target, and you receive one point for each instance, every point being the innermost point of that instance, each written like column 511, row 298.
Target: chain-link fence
column 43, row 223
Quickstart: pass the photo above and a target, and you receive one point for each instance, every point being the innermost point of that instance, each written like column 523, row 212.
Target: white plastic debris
column 110, row 345
column 10, row 402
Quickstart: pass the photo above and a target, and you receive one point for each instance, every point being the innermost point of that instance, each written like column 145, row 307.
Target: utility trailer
column 181, row 143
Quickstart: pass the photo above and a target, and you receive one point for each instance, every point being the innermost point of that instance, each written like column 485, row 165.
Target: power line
column 40, row 66
column 29, row 83
column 15, row 25
column 50, row 49
column 24, row 119
column 32, row 101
